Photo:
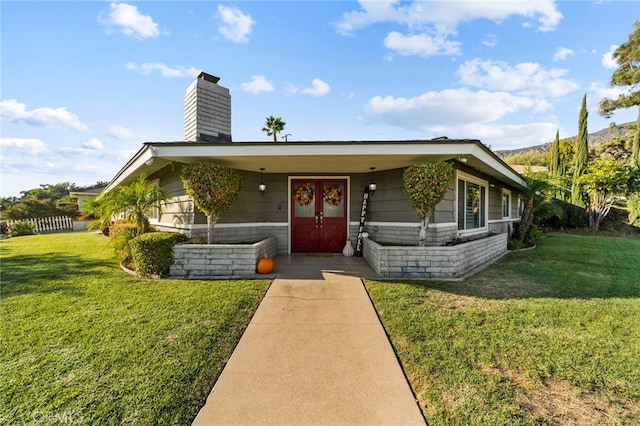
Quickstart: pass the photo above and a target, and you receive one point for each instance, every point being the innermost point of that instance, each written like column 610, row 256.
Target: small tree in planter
column 426, row 185
column 213, row 187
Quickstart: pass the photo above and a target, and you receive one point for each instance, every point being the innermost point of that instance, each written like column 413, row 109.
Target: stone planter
column 218, row 261
column 436, row 262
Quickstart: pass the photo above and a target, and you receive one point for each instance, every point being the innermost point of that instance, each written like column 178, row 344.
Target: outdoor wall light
column 149, row 161
column 262, row 187
column 463, row 159
column 372, row 183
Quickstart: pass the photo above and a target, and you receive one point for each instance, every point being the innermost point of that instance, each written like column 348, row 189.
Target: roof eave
column 316, row 157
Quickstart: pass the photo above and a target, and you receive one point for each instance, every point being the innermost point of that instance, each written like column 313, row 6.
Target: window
column 506, row 204
column 154, row 212
column 472, row 198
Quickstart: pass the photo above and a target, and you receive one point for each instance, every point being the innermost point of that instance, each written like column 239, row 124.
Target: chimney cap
column 208, row 77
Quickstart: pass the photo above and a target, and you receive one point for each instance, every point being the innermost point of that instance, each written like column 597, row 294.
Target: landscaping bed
column 202, row 261
column 434, row 262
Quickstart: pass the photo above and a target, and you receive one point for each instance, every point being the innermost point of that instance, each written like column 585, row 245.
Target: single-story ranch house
column 313, row 191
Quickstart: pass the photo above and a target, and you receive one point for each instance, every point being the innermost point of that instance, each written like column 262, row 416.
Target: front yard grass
column 549, row 336
column 84, row 343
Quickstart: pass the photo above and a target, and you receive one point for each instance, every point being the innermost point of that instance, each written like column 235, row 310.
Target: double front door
column 318, row 215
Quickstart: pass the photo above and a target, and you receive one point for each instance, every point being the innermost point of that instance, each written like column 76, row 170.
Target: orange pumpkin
column 265, row 264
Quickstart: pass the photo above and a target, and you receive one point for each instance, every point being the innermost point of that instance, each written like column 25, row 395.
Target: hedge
column 152, row 253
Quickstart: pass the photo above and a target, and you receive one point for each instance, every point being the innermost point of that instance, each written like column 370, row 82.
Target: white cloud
column 490, row 40
column 258, row 84
column 26, row 145
column 95, row 150
column 165, row 71
column 562, row 53
column 131, row 22
column 525, row 78
column 120, row 132
column 421, row 44
column 607, row 59
column 318, row 88
column 372, row 12
column 92, row 148
column 507, row 136
column 13, row 110
column 235, row 26
column 93, row 144
column 447, row 15
column 449, row 107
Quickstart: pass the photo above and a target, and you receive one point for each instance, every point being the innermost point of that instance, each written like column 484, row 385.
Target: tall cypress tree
column 557, row 166
column 635, row 147
column 554, row 157
column 581, row 159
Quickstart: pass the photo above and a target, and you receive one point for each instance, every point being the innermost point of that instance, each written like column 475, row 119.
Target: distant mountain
column 594, row 139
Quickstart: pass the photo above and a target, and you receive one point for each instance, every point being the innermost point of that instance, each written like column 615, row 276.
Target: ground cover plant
column 549, row 336
column 84, row 343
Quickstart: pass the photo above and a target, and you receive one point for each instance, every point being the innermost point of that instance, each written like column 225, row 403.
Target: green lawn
column 84, row 343
column 549, row 336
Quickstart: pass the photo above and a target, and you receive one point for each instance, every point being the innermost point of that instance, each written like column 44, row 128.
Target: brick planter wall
column 202, row 261
column 443, row 262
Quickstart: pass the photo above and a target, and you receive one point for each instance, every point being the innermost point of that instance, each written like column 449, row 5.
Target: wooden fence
column 48, row 224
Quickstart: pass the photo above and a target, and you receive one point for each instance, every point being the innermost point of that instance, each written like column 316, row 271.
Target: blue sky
column 84, row 84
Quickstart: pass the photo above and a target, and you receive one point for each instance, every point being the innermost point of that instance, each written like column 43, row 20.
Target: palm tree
column 135, row 201
column 274, row 126
column 538, row 202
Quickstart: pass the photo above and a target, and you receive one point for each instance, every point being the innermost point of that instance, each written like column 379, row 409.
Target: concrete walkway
column 314, row 353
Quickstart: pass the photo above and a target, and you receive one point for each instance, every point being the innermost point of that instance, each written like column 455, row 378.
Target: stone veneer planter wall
column 437, row 234
column 441, row 262
column 231, row 234
column 201, row 261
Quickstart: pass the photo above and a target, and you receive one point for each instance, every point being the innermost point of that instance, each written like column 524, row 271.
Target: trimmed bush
column 22, row 228
column 152, row 253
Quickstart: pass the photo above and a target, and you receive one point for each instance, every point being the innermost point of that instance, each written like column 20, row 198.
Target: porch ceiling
column 317, row 157
column 318, row 164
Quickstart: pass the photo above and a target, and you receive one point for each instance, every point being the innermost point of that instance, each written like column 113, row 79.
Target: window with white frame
column 506, row 203
column 154, row 212
column 472, row 203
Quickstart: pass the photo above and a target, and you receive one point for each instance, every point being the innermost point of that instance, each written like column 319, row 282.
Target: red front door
column 318, row 215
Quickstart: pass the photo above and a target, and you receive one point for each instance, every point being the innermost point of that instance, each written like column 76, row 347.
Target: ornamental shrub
column 22, row 228
column 213, row 187
column 120, row 234
column 152, row 253
column 426, row 184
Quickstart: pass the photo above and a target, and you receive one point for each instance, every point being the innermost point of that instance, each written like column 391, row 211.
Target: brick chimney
column 207, row 111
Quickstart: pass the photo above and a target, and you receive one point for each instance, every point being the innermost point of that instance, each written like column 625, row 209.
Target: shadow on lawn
column 46, row 273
